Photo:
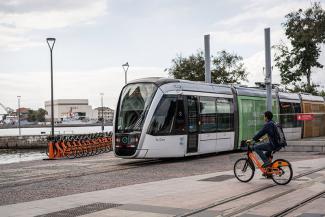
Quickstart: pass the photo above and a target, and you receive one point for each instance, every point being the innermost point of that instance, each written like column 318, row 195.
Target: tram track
column 299, row 205
column 39, row 179
column 122, row 166
column 245, row 194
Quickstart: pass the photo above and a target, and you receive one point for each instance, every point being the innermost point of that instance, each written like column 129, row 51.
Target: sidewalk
column 180, row 195
column 314, row 144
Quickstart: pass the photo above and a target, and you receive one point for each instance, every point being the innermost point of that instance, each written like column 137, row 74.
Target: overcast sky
column 95, row 37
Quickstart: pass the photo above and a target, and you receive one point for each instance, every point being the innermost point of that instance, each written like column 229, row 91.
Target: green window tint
column 251, row 115
column 208, row 114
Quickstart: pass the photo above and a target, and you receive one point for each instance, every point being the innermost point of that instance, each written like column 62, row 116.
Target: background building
column 71, row 109
column 23, row 113
column 108, row 113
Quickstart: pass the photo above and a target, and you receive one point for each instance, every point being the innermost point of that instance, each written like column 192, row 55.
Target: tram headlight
column 117, row 140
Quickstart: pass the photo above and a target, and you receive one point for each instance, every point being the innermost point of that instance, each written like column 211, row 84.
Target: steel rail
column 298, row 205
column 236, row 197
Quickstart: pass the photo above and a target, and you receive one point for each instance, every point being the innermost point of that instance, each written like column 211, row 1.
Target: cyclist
column 268, row 129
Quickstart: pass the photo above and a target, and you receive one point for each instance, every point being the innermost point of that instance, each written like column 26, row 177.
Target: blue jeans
column 260, row 148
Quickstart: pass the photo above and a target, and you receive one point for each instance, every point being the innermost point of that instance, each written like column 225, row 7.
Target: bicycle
column 280, row 170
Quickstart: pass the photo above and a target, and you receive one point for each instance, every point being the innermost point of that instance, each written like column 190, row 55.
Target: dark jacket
column 269, row 128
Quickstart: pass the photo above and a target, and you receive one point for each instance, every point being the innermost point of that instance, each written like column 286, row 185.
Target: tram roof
column 156, row 80
column 309, row 97
column 289, row 96
column 251, row 91
column 187, row 85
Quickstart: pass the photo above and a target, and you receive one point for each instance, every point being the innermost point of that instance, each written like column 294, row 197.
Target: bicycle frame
column 268, row 170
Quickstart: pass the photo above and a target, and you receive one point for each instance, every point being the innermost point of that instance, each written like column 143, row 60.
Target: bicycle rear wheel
column 244, row 170
column 284, row 172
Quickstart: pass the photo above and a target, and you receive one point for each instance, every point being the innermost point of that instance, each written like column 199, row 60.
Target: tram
column 165, row 118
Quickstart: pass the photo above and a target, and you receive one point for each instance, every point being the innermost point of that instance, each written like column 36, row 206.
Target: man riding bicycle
column 268, row 129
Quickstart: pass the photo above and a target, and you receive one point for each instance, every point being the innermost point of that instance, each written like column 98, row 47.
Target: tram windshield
column 134, row 103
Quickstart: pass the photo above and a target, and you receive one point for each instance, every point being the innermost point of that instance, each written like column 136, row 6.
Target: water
column 58, row 130
column 18, row 155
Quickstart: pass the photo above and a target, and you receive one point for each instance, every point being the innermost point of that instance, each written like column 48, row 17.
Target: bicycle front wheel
column 244, row 170
column 282, row 171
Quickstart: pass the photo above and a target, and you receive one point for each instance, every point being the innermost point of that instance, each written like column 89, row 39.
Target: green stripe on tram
column 251, row 115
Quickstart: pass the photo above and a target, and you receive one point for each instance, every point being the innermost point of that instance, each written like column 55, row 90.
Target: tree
column 31, row 116
column 322, row 93
column 40, row 115
column 305, row 29
column 226, row 68
column 36, row 115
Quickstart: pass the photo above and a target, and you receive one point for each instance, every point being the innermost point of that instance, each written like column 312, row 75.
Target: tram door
column 193, row 124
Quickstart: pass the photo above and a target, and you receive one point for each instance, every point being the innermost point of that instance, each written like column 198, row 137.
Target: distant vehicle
column 162, row 118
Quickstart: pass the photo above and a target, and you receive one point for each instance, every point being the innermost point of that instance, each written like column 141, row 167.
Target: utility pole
column 51, row 42
column 207, row 58
column 268, row 69
column 18, row 97
column 102, row 102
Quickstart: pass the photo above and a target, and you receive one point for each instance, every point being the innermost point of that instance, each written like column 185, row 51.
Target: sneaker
column 266, row 164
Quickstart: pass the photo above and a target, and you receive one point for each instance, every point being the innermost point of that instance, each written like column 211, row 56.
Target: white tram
column 163, row 118
column 157, row 118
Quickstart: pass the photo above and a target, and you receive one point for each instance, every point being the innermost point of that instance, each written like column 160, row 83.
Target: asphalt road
column 40, row 179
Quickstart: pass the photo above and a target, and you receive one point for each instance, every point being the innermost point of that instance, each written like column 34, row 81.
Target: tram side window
column 208, row 114
column 288, row 114
column 225, row 115
column 169, row 117
column 179, row 123
column 162, row 119
column 192, row 110
column 297, row 110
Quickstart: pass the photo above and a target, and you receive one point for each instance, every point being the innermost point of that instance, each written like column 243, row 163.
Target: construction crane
column 7, row 109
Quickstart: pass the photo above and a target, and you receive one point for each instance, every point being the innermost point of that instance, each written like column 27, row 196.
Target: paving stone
column 311, row 215
column 81, row 210
column 251, row 215
column 218, row 178
column 314, row 175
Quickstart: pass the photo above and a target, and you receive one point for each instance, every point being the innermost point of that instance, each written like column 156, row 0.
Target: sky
column 95, row 37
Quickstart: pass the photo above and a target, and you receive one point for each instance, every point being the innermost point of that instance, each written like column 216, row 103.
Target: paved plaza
column 211, row 194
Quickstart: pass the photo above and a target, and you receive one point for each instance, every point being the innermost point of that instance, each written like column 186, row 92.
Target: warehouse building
column 71, row 109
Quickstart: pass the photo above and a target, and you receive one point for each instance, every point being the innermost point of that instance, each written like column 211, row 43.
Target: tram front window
column 134, row 103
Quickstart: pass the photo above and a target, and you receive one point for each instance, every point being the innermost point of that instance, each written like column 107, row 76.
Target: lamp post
column 51, row 42
column 18, row 97
column 125, row 68
column 102, row 94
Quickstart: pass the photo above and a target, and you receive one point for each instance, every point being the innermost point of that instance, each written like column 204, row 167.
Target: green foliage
column 40, row 115
column 305, row 29
column 305, row 88
column 190, row 68
column 225, row 68
column 322, row 93
column 31, row 116
column 36, row 115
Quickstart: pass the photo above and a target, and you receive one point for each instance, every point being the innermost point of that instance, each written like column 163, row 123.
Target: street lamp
column 125, row 68
column 18, row 97
column 51, row 42
column 102, row 94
